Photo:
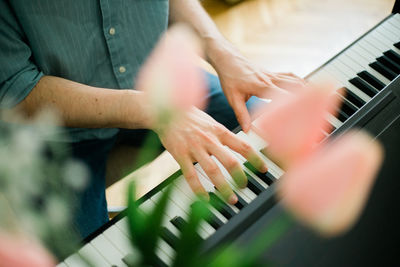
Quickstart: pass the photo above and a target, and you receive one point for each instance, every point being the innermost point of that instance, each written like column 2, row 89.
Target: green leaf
column 153, row 227
column 136, row 220
column 188, row 247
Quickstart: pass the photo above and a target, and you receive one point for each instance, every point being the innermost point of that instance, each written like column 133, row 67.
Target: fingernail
column 264, row 168
column 239, row 177
column 233, row 199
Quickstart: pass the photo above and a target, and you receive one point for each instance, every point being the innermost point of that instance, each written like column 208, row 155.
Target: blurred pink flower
column 329, row 189
column 17, row 251
column 325, row 186
column 291, row 124
column 170, row 76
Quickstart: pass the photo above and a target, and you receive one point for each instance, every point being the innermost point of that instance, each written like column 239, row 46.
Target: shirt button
column 112, row 31
column 122, row 69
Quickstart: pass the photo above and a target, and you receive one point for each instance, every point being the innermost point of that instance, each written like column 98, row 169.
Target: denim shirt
column 100, row 43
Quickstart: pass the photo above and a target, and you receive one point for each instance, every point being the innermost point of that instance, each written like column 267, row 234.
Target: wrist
column 136, row 112
column 221, row 54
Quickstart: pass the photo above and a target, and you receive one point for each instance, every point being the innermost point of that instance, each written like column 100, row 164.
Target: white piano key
column 395, row 19
column 369, row 48
column 181, row 203
column 334, row 121
column 382, row 34
column 108, row 250
column 238, row 191
column 123, row 226
column 205, row 181
column 393, row 31
column 75, row 260
column 245, row 191
column 120, row 240
column 255, row 141
column 363, row 53
column 340, row 76
column 185, row 189
column 163, row 256
column 377, row 41
column 389, row 33
column 394, row 22
column 385, row 42
column 205, row 230
column 184, row 200
column 93, row 256
column 363, row 63
column 345, row 70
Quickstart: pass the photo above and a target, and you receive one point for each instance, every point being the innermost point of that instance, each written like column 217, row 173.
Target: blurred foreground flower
column 325, row 186
column 291, row 124
column 170, row 76
column 329, row 189
column 18, row 251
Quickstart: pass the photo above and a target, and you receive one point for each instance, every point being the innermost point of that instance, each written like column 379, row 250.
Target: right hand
column 195, row 137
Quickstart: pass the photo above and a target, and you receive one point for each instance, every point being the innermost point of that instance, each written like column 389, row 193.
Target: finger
column 190, row 174
column 230, row 163
column 244, row 149
column 214, row 173
column 242, row 114
column 289, row 74
column 286, row 82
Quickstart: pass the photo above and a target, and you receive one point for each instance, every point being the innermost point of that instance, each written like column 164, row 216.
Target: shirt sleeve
column 18, row 73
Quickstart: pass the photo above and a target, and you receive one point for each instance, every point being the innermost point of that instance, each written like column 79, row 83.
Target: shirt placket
column 113, row 35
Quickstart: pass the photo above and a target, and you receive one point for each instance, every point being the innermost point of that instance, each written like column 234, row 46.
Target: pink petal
column 291, row 124
column 329, row 189
column 170, row 75
column 17, row 251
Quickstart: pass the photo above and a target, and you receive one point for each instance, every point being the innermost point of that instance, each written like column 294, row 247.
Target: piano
column 368, row 71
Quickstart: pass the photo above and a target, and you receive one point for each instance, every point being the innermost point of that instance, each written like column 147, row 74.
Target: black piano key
column 393, row 55
column 341, row 115
column 178, row 222
column 214, row 221
column 393, row 66
column 241, row 203
column 352, row 97
column 397, row 45
column 348, row 107
column 372, row 80
column 363, row 86
column 253, row 185
column 221, row 206
column 265, row 177
column 382, row 69
column 169, row 237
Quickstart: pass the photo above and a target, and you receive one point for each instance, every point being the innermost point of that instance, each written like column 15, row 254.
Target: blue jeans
column 92, row 210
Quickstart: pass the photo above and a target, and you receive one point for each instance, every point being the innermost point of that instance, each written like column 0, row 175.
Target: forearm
column 86, row 106
column 217, row 48
column 192, row 13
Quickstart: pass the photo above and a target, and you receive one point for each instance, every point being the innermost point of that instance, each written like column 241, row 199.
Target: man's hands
column 195, row 137
column 240, row 79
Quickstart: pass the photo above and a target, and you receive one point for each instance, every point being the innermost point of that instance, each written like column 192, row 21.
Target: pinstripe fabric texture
column 100, row 43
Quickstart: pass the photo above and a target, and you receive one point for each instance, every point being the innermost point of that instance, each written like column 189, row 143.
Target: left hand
column 240, row 79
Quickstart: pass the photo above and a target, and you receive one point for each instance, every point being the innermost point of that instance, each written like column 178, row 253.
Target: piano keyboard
column 361, row 71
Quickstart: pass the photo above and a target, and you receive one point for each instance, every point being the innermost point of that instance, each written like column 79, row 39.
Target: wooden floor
column 281, row 35
column 295, row 35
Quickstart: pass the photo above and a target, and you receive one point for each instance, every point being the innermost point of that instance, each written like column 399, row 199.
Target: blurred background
column 295, row 35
